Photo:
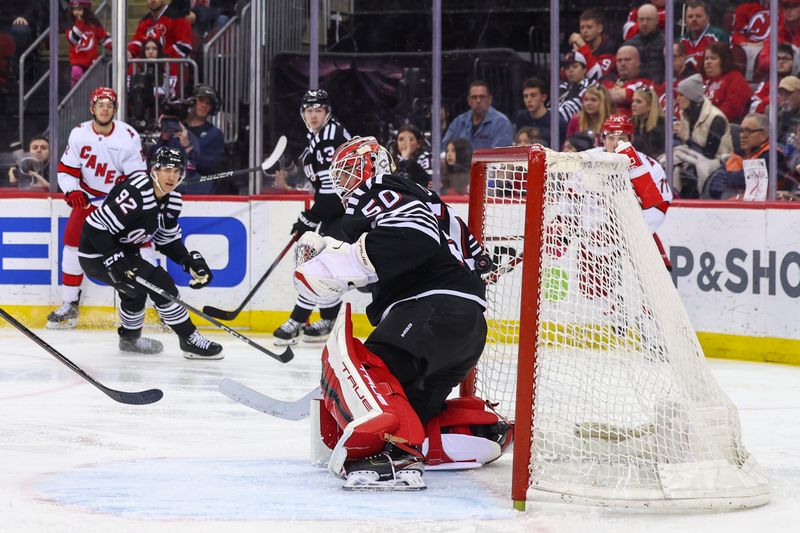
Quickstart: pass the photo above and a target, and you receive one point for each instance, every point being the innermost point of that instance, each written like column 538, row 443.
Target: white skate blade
column 70, row 323
column 286, row 342
column 315, row 340
column 190, row 355
column 365, row 480
column 454, row 466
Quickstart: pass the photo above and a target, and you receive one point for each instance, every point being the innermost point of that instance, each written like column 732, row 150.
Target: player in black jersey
column 325, row 134
column 427, row 309
column 136, row 212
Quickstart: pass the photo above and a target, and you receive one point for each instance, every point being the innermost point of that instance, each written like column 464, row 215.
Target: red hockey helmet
column 356, row 161
column 101, row 93
column 617, row 124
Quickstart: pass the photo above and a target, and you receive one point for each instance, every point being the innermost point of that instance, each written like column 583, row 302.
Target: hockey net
column 589, row 348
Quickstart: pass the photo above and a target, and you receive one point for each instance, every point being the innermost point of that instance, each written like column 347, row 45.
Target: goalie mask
column 313, row 100
column 167, row 157
column 356, row 161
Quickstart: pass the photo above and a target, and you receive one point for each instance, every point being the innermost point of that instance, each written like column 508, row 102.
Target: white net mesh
column 625, row 407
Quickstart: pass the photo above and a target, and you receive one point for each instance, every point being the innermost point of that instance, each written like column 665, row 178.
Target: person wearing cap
column 202, row 142
column 705, row 133
column 789, row 108
column 571, row 89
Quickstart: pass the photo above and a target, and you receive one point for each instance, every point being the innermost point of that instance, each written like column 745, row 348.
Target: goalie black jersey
column 413, row 255
column 317, row 161
column 131, row 217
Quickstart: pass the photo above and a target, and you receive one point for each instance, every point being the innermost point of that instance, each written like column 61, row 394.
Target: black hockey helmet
column 209, row 92
column 316, row 98
column 167, row 157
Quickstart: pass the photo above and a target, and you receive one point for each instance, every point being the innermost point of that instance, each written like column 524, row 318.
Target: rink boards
column 736, row 266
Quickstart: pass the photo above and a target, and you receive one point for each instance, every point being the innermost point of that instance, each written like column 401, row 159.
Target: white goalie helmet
column 356, row 161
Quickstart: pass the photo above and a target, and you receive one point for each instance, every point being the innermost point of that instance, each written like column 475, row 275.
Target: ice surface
column 74, row 460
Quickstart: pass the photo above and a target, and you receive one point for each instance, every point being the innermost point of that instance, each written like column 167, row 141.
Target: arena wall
column 736, row 266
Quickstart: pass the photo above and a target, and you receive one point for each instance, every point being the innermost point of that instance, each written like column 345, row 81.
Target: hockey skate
column 198, row 347
column 392, row 469
column 133, row 342
column 318, row 331
column 65, row 317
column 288, row 333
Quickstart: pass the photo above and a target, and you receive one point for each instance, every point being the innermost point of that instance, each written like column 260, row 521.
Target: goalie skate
column 392, row 470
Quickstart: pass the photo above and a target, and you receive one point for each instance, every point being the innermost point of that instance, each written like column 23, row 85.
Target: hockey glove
column 305, row 222
column 77, row 199
column 121, row 270
column 194, row 265
column 337, row 269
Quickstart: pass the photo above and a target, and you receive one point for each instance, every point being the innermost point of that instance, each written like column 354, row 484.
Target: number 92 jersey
column 412, row 255
column 131, row 217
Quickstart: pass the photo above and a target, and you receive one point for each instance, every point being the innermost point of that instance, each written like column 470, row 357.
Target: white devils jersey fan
column 94, row 162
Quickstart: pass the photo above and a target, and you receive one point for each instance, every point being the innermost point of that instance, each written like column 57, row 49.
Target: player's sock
column 195, row 346
column 395, row 468
column 131, row 341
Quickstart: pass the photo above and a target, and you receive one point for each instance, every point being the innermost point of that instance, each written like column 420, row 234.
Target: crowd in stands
column 721, row 89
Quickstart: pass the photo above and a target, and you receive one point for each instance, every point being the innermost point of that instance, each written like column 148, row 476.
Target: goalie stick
column 230, row 315
column 284, row 357
column 130, row 398
column 269, row 162
column 296, row 410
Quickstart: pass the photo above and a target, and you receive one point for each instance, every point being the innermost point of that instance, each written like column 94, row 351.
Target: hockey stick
column 131, row 398
column 296, row 410
column 269, row 162
column 284, row 357
column 230, row 315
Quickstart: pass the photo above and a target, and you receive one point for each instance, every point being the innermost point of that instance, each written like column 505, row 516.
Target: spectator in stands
column 705, row 132
column 85, row 34
column 31, row 169
column 750, row 23
column 789, row 111
column 579, row 142
column 202, row 142
column 700, row 32
column 754, row 139
column 208, row 16
column 528, row 136
column 148, row 82
column 165, row 23
column 760, row 99
column 571, row 89
column 596, row 108
column 410, row 152
column 788, row 33
column 649, row 41
column 457, row 159
column 621, row 90
column 681, row 67
column 631, row 26
column 592, row 42
column 536, row 114
column 648, row 122
column 25, row 20
column 725, row 87
column 482, row 125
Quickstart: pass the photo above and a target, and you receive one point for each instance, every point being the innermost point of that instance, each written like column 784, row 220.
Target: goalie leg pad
column 466, row 435
column 365, row 399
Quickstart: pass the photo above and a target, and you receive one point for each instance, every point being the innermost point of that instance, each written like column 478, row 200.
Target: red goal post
column 589, row 349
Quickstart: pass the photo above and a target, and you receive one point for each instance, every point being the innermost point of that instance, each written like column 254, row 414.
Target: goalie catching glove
column 337, row 268
column 194, row 265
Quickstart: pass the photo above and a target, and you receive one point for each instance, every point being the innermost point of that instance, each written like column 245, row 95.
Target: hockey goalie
column 386, row 414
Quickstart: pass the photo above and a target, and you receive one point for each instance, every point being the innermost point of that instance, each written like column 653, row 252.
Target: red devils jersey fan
column 99, row 154
column 165, row 24
column 387, row 396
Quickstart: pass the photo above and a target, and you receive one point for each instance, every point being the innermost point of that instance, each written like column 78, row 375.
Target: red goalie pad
column 363, row 396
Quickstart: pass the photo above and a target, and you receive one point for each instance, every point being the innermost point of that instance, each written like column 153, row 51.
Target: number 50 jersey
column 413, row 255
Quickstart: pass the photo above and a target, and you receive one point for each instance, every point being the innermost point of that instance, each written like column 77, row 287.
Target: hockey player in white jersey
column 99, row 154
